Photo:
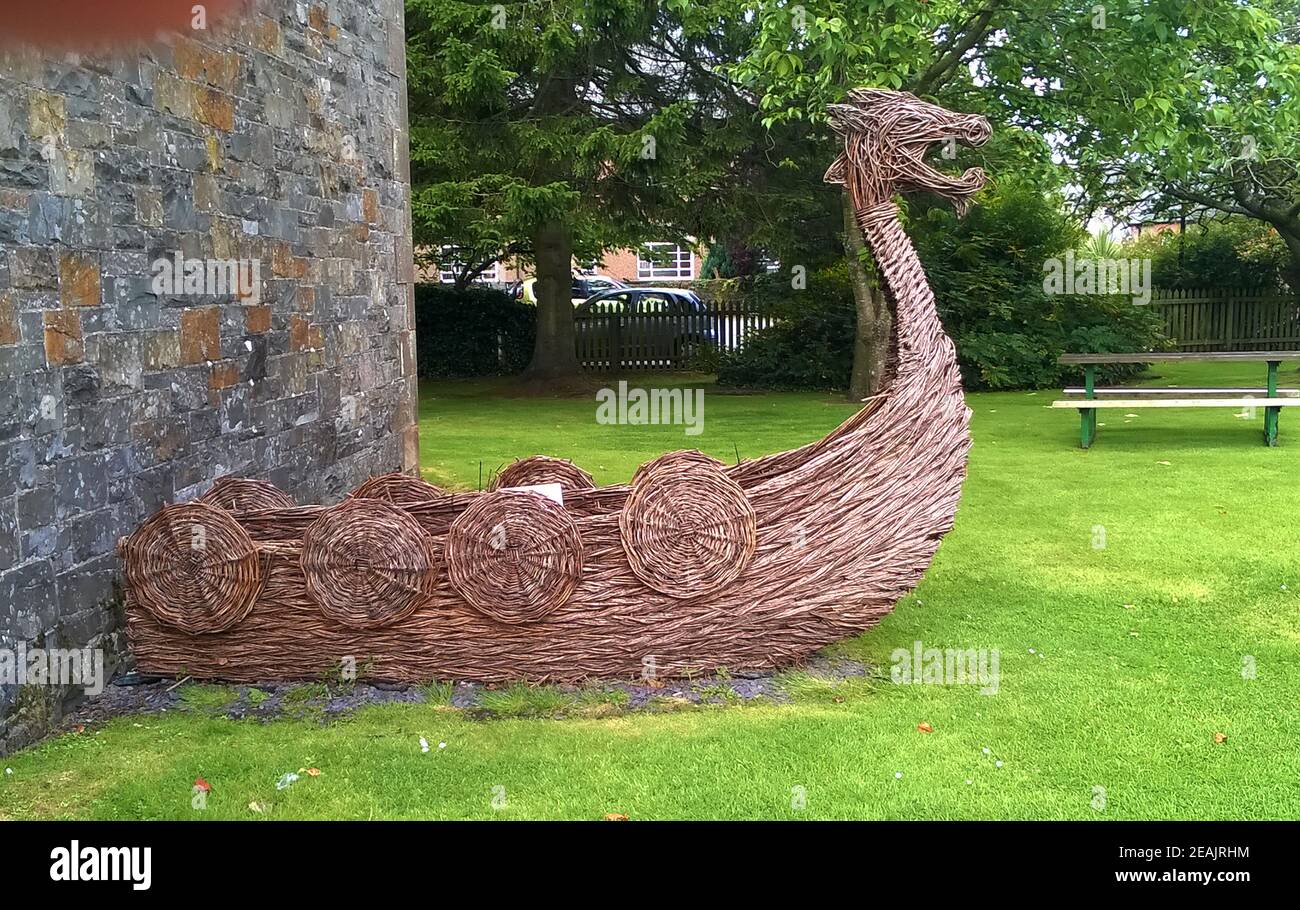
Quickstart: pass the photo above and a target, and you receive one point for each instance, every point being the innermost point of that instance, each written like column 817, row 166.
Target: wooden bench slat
column 1080, row 390
column 1135, row 403
column 1155, row 357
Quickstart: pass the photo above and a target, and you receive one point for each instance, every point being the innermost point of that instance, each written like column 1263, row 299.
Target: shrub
column 471, row 332
column 809, row 345
column 1234, row 252
column 987, row 275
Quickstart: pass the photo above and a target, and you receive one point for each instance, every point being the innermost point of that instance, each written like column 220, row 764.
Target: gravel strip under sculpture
column 515, row 556
column 193, row 567
column 401, row 489
column 539, row 469
column 243, row 494
column 368, row 564
column 687, row 528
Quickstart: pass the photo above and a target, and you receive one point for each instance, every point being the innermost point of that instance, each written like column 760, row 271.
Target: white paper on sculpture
column 552, row 491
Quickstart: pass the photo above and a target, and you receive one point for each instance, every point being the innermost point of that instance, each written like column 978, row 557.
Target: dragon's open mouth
column 887, row 135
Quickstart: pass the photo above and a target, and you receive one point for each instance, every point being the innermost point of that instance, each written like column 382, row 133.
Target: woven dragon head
column 886, row 135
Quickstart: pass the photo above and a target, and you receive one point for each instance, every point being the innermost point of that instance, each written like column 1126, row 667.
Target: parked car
column 648, row 324
column 584, row 286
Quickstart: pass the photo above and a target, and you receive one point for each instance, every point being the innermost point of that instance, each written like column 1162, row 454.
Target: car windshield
column 612, row 303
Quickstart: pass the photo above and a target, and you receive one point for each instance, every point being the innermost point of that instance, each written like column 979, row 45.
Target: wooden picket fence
column 1229, row 319
column 613, row 341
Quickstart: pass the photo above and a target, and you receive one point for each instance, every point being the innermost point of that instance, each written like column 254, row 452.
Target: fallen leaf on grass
column 201, row 784
column 1220, row 738
column 838, row 699
column 1166, row 463
column 313, row 772
column 925, row 727
column 615, row 817
column 257, row 807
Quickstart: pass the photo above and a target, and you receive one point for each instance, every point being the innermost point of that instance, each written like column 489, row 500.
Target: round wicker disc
column 515, row 556
column 687, row 529
column 242, row 494
column 368, row 564
column 402, row 489
column 194, row 568
column 673, row 459
column 537, row 469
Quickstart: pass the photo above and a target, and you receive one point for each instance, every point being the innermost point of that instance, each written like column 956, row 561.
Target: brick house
column 676, row 264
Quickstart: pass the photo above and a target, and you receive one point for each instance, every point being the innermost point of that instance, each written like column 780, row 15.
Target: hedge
column 474, row 332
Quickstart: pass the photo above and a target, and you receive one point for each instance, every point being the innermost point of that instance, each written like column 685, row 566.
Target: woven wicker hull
column 845, row 527
column 692, row 566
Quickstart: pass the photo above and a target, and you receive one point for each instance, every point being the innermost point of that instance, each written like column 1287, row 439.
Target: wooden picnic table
column 1273, row 401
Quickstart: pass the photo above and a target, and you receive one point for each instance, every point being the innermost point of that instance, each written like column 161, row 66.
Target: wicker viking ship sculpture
column 693, row 565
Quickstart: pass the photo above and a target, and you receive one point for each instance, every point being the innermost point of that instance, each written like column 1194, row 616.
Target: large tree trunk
column 554, row 353
column 1291, row 237
column 875, row 320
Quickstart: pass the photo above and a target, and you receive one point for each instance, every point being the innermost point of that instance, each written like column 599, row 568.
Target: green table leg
column 1088, row 416
column 1271, row 414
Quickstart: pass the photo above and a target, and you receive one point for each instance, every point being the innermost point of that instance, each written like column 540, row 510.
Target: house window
column 668, row 261
column 450, row 267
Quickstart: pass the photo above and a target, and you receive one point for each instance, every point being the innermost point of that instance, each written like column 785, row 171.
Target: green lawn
column 1119, row 664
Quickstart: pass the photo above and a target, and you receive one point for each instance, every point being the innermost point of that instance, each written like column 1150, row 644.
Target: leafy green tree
column 807, row 56
column 549, row 130
column 1196, row 109
column 1150, row 100
column 1225, row 252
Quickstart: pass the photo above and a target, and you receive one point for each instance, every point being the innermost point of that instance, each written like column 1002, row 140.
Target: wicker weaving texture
column 243, row 494
column 193, row 568
column 515, row 556
column 684, row 458
column 402, row 489
column 368, row 564
column 687, row 529
column 539, row 469
column 640, row 578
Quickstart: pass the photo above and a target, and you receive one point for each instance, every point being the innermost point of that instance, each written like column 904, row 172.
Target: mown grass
column 1118, row 663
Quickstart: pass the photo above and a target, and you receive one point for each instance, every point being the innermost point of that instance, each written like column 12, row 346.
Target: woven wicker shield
column 515, row 556
column 401, row 489
column 367, row 563
column 539, row 469
column 243, row 494
column 193, row 568
column 687, row 529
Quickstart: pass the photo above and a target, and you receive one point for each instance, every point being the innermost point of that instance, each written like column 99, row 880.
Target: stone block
column 214, row 108
column 78, row 280
column 224, row 375
column 149, row 206
column 173, row 95
column 33, row 268
column 73, row 172
column 118, row 358
column 257, row 319
column 162, row 350
column 10, row 333
column 200, row 335
column 63, row 341
column 47, row 115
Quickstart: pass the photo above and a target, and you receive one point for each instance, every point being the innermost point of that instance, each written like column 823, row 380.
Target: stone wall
column 280, row 142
